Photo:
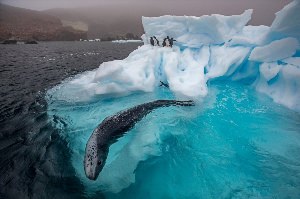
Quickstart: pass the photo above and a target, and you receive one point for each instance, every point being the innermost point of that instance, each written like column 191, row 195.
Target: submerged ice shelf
column 218, row 151
column 213, row 150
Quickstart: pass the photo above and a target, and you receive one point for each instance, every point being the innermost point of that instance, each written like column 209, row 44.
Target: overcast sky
column 264, row 10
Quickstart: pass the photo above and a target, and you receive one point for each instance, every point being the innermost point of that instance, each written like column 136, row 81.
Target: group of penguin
column 167, row 42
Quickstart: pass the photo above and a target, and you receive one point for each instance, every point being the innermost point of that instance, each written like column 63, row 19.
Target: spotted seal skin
column 114, row 127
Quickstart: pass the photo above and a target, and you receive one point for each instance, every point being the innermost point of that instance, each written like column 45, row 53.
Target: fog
column 264, row 10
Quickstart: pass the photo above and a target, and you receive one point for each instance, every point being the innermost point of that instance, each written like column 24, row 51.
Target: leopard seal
column 114, row 127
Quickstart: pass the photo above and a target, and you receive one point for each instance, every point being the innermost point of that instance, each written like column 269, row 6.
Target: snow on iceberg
column 207, row 48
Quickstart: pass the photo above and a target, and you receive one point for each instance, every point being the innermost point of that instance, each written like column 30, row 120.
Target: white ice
column 225, row 60
column 250, row 36
column 293, row 61
column 281, row 82
column 277, row 50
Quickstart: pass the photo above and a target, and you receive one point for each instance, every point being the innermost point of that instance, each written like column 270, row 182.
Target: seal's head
column 94, row 160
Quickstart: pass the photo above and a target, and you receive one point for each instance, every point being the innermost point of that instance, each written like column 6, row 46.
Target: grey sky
column 263, row 9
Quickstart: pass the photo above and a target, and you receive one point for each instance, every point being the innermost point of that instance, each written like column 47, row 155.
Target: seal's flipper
column 185, row 103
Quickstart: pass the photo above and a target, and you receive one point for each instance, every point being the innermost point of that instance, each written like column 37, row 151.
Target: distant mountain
column 24, row 24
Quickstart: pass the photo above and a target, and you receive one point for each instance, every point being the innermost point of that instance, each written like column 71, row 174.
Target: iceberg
column 206, row 48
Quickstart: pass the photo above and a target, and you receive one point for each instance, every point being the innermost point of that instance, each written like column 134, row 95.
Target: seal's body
column 114, row 127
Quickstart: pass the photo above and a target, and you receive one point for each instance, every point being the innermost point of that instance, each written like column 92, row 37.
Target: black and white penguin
column 156, row 42
column 166, row 42
column 152, row 41
column 172, row 42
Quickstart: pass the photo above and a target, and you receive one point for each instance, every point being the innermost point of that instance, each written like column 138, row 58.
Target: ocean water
column 235, row 143
column 34, row 160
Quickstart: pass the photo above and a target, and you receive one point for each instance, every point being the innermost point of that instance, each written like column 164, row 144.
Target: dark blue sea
column 34, row 160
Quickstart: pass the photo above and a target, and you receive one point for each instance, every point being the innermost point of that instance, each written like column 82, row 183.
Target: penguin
column 171, row 41
column 156, row 41
column 166, row 42
column 152, row 41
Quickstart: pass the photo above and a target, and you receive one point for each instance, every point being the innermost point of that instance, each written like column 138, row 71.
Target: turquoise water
column 235, row 143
